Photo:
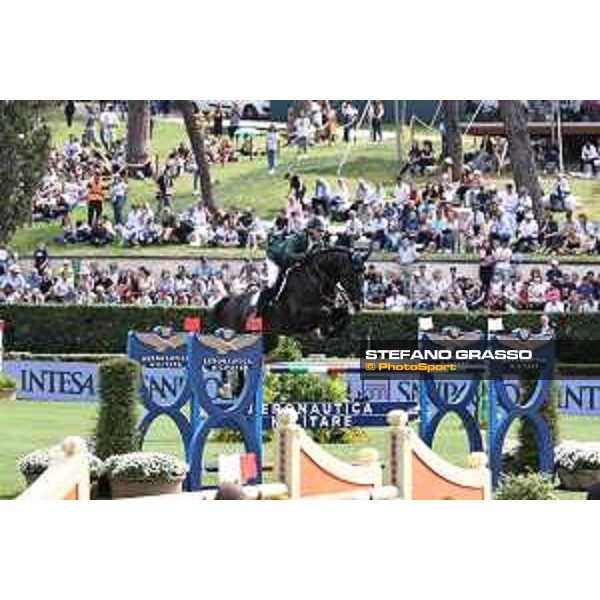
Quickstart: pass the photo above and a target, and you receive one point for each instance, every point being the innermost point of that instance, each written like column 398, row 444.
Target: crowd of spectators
column 429, row 287
column 92, row 171
column 401, row 286
column 442, row 217
column 410, row 219
column 93, row 283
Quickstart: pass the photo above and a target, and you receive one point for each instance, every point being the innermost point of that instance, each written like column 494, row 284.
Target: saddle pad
column 254, row 299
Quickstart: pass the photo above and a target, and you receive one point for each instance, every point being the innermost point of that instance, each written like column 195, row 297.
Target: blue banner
column 328, row 415
column 54, row 381
column 580, row 397
column 369, row 400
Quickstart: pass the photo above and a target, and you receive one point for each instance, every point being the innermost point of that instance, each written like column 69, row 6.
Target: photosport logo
column 390, row 358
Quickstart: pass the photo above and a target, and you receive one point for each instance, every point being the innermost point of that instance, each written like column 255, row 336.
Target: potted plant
column 578, row 464
column 144, row 474
column 32, row 465
column 8, row 388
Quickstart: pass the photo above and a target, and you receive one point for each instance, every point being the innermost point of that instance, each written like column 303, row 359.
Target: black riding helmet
column 316, row 223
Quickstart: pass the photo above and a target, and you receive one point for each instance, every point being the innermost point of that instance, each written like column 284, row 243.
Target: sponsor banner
column 54, row 381
column 78, row 382
column 328, row 415
column 580, row 397
column 163, row 385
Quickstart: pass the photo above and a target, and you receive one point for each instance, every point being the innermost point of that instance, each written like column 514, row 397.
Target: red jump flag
column 254, row 323
column 192, row 324
column 248, row 466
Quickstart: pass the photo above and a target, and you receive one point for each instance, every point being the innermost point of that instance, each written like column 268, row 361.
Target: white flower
column 572, row 455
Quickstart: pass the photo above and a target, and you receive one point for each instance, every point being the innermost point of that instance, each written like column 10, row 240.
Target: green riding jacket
column 286, row 251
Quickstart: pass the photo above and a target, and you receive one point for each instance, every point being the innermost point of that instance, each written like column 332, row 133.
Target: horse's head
column 358, row 260
column 345, row 268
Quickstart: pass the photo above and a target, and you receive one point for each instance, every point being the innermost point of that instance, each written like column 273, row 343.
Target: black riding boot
column 265, row 298
column 269, row 294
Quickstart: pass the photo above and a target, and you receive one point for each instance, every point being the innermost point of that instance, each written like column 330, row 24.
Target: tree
column 514, row 115
column 196, row 136
column 138, row 127
column 453, row 137
column 24, row 152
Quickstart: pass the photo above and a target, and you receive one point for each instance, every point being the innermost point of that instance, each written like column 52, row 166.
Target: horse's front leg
column 338, row 319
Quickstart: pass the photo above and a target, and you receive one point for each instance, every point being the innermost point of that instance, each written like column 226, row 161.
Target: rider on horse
column 284, row 252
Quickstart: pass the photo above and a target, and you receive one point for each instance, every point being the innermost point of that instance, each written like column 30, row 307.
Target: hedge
column 116, row 426
column 64, row 329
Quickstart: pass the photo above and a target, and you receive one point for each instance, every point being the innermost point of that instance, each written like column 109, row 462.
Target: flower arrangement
column 145, row 466
column 32, row 465
column 574, row 456
column 578, row 464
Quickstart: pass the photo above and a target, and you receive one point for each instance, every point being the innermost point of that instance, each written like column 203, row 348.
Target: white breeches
column 272, row 272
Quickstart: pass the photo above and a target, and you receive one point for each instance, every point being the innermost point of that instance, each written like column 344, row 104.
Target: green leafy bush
column 7, row 383
column 153, row 467
column 307, row 387
column 528, row 486
column 287, row 349
column 116, row 427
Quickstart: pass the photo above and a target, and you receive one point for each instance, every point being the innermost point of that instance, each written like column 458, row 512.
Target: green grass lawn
column 26, row 426
column 248, row 184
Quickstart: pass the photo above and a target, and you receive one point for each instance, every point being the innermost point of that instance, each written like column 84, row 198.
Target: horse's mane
column 324, row 252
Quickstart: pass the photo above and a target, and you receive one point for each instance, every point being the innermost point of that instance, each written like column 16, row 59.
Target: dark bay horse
column 319, row 293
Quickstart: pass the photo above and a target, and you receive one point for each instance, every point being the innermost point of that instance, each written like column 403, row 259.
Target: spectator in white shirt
column 509, row 200
column 302, row 127
column 401, row 192
column 555, row 305
column 397, row 301
column 14, row 278
column 528, row 234
column 108, row 123
column 589, row 158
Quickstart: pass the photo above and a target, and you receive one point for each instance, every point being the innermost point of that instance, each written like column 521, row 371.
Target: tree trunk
column 196, row 136
column 138, row 128
column 514, row 115
column 453, row 137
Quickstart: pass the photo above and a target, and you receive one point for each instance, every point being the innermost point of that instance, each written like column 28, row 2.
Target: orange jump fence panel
column 421, row 474
column 310, row 471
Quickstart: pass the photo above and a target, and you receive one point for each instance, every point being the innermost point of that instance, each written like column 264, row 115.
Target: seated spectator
column 413, row 163
column 527, row 234
column 560, row 198
column 554, row 303
column 550, row 237
column 102, row 232
column 168, row 225
column 322, row 198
